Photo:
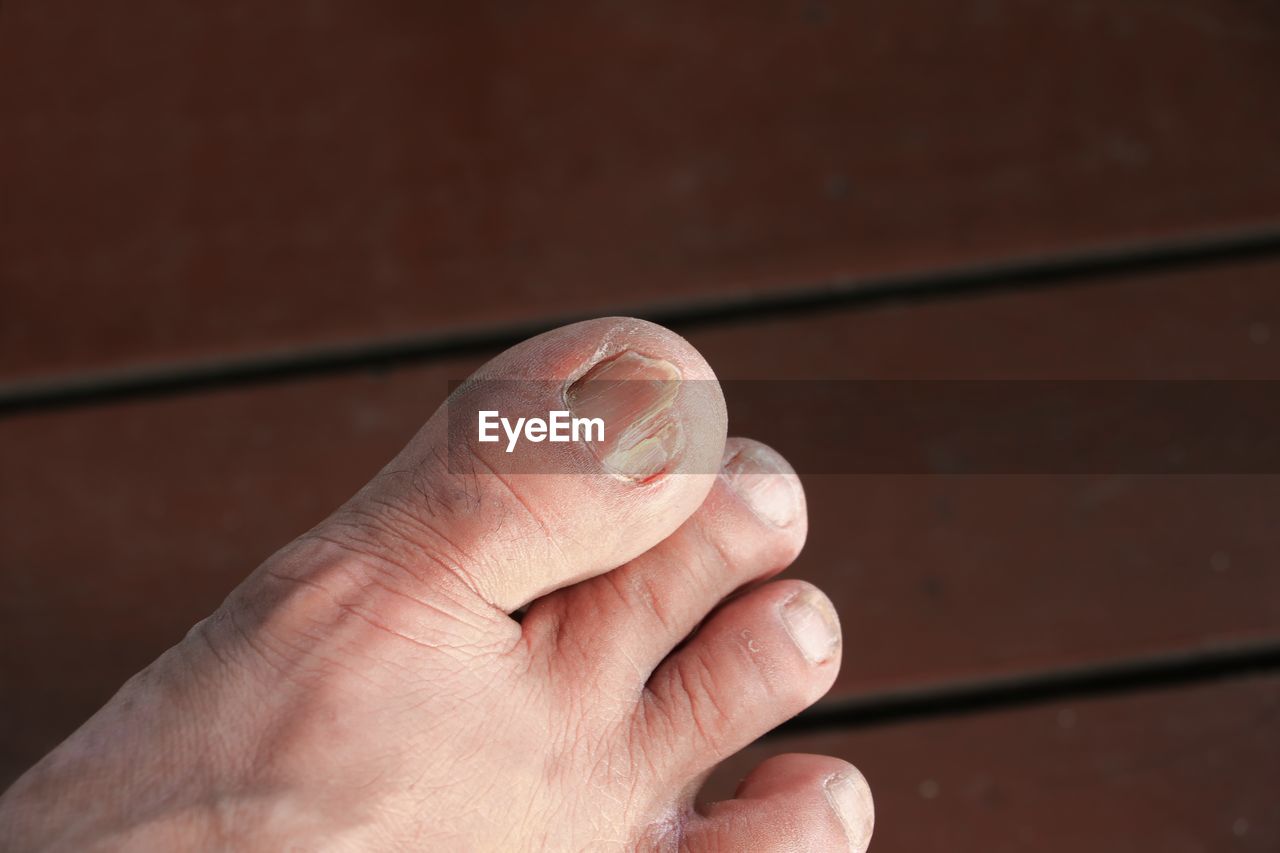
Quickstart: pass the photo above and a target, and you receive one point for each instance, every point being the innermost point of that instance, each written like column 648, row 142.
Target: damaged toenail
column 850, row 797
column 633, row 394
column 765, row 484
column 811, row 621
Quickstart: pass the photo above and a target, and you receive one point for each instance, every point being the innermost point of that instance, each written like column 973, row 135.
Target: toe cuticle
column 765, row 485
column 850, row 798
column 635, row 396
column 811, row 622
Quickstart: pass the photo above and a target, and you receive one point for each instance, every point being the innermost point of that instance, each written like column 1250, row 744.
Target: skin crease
column 367, row 689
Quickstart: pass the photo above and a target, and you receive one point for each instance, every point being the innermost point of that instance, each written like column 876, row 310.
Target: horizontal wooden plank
column 952, row 576
column 193, row 182
column 1193, row 769
column 125, row 523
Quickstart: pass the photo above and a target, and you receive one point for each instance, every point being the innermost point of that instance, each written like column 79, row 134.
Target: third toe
column 757, row 662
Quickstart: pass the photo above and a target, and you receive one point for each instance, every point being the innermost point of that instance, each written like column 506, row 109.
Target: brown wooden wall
column 244, row 247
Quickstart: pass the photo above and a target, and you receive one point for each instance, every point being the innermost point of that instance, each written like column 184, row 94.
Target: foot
column 367, row 688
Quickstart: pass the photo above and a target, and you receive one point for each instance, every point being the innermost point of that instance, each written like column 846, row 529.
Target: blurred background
column 244, row 247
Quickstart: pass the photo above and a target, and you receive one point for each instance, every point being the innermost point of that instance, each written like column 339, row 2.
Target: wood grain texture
column 193, row 182
column 1183, row 771
column 123, row 524
column 1064, row 570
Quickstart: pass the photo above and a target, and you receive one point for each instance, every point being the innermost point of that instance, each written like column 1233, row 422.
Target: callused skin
column 367, row 688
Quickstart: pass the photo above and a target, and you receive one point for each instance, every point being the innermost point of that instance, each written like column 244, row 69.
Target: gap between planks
column 1022, row 274
column 1116, row 677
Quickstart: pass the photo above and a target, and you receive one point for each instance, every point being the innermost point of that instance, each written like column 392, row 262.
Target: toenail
column 850, row 797
column 633, row 394
column 811, row 621
column 759, row 478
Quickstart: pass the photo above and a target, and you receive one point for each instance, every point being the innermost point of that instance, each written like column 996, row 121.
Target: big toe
column 510, row 513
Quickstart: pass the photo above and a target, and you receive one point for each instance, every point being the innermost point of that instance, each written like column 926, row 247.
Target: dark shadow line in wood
column 1021, row 274
column 1117, row 677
